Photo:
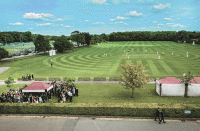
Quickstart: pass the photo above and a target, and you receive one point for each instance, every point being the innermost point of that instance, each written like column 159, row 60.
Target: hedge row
column 40, row 79
column 84, row 79
column 99, row 78
column 52, row 79
column 99, row 111
column 114, row 79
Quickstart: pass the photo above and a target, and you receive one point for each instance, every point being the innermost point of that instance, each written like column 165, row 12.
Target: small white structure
column 163, row 52
column 51, row 59
column 171, row 86
column 146, row 50
column 52, row 52
column 187, row 55
column 193, row 43
column 126, row 53
column 172, row 53
column 110, row 53
column 98, row 44
column 159, row 57
column 128, row 56
column 106, row 54
column 157, row 52
column 183, row 74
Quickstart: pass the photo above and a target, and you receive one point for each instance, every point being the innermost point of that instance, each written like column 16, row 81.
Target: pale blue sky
column 61, row 17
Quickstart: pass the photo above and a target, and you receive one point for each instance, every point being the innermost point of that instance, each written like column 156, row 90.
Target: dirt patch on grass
column 2, row 69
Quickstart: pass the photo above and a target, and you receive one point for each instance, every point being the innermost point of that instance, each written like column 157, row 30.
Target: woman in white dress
column 40, row 99
column 64, row 98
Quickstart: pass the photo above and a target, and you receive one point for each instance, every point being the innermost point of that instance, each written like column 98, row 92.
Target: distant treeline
column 85, row 37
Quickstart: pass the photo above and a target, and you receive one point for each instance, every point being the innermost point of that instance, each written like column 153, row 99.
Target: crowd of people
column 58, row 90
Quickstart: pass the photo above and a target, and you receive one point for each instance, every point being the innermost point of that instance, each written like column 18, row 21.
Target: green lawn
column 116, row 93
column 91, row 62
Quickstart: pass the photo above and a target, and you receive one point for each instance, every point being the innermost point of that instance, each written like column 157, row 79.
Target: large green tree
column 41, row 44
column 133, row 76
column 63, row 44
column 78, row 37
column 3, row 53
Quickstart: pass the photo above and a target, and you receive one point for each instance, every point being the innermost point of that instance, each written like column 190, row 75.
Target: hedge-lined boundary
column 52, row 79
column 40, row 79
column 99, row 78
column 114, row 79
column 84, row 79
column 103, row 109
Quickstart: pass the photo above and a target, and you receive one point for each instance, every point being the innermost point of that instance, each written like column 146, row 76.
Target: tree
column 69, row 82
column 187, row 80
column 78, row 37
column 133, row 76
column 3, row 53
column 183, row 35
column 9, row 81
column 62, row 44
column 41, row 44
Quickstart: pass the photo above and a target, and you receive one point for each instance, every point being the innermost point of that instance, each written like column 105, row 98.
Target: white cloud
column 195, row 21
column 169, row 23
column 178, row 18
column 112, row 19
column 171, row 16
column 67, row 26
column 132, row 13
column 98, row 23
column 17, row 23
column 143, row 28
column 99, row 1
column 43, row 24
column 37, row 16
column 61, row 24
column 168, row 18
column 161, row 24
column 192, row 17
column 167, row 12
column 86, row 20
column 125, row 23
column 59, row 19
column 178, row 25
column 119, row 22
column 120, row 18
column 161, row 6
column 188, row 24
column 8, row 27
column 158, row 27
column 155, row 21
column 30, row 28
column 46, row 15
column 117, row 1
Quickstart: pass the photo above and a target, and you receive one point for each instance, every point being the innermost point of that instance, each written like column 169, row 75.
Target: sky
column 61, row 17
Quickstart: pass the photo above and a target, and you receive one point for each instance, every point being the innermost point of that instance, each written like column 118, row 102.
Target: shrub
column 99, row 78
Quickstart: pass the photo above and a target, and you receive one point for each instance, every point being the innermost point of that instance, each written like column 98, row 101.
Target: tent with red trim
column 37, row 87
column 171, row 86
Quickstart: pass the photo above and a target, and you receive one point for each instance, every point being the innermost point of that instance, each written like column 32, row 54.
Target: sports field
column 91, row 62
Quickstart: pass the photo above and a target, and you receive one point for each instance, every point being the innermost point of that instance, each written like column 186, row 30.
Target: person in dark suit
column 51, row 64
column 157, row 113
column 162, row 117
column 32, row 76
column 76, row 91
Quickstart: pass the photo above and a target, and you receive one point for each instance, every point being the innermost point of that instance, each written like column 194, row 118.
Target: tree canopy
column 41, row 44
column 133, row 76
column 63, row 44
column 3, row 53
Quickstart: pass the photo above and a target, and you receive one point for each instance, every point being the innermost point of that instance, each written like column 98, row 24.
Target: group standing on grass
column 63, row 94
column 28, row 77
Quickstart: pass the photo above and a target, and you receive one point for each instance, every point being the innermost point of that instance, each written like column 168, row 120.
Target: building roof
column 37, row 87
column 173, row 80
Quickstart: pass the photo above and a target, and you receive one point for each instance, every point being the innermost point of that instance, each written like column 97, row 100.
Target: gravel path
column 2, row 69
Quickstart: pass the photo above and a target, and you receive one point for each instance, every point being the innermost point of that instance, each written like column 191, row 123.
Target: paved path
column 27, row 82
column 32, row 123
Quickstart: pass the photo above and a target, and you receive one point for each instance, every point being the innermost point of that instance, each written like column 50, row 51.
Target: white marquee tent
column 171, row 86
column 52, row 52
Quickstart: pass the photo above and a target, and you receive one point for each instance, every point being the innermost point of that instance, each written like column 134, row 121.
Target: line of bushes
column 52, row 79
column 84, row 79
column 40, row 79
column 16, row 108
